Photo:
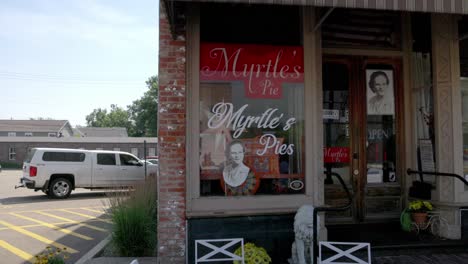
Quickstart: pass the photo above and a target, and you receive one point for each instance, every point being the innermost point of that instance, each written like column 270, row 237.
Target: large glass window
column 251, row 101
column 12, row 153
column 463, row 32
column 423, row 93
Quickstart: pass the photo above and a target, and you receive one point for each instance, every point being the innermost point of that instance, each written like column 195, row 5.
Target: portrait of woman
column 235, row 172
column 380, row 99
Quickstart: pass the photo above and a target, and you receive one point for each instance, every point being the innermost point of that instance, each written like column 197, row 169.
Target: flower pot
column 419, row 218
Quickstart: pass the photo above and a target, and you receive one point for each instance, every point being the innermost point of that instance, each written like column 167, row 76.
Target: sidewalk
column 423, row 259
column 122, row 260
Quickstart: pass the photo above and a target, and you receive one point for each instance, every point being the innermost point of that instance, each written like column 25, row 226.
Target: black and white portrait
column 235, row 172
column 380, row 98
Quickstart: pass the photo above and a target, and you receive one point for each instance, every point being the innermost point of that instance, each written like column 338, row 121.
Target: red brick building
column 261, row 101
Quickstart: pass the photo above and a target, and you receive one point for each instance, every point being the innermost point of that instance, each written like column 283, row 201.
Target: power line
column 58, row 78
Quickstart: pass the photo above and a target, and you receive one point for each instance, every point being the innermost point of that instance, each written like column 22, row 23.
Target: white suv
column 58, row 171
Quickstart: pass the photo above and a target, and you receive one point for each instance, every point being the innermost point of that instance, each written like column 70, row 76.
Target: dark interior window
column 260, row 24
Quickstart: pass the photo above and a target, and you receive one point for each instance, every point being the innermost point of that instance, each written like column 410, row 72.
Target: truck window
column 63, row 156
column 127, row 160
column 30, row 155
column 106, row 159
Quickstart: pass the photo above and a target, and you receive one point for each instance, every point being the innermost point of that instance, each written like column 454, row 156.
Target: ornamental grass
column 134, row 218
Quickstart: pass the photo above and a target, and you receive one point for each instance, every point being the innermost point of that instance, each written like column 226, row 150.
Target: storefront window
column 251, row 104
column 463, row 28
column 421, row 71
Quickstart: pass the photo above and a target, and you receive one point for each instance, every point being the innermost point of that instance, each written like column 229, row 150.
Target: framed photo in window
column 380, row 96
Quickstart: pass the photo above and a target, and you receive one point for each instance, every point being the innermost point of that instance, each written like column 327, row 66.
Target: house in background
column 100, row 132
column 17, row 137
column 35, row 128
column 13, row 150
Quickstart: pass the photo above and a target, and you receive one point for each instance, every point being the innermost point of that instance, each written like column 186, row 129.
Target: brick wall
column 171, row 136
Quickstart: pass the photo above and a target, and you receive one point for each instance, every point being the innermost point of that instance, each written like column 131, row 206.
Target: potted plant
column 419, row 209
column 253, row 254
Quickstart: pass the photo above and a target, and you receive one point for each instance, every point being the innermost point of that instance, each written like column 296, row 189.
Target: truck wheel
column 60, row 188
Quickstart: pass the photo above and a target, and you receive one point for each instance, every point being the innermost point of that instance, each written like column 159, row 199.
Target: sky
column 63, row 59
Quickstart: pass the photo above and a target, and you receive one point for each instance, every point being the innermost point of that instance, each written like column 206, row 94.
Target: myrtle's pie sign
column 262, row 68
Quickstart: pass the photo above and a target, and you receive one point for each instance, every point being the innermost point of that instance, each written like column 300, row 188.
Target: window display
column 251, row 119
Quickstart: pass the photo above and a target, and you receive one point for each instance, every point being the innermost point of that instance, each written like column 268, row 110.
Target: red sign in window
column 262, row 68
column 336, row 154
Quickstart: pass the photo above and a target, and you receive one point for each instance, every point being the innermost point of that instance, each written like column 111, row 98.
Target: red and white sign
column 262, row 68
column 336, row 154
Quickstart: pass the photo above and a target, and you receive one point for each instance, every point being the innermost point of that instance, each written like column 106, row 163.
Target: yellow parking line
column 63, row 230
column 37, row 225
column 25, row 226
column 73, row 221
column 48, row 210
column 37, row 237
column 87, row 216
column 91, row 210
column 18, row 252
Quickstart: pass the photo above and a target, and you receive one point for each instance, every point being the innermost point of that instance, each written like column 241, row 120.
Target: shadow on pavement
column 39, row 197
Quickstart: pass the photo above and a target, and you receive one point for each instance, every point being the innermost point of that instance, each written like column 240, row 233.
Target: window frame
column 12, row 134
column 198, row 205
column 151, row 151
column 134, row 151
column 12, row 153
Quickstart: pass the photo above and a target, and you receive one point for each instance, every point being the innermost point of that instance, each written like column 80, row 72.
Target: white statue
column 302, row 248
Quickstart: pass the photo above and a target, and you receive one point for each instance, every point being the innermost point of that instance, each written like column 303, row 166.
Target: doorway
column 362, row 112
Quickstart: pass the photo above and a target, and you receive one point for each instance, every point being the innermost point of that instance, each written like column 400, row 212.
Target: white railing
column 344, row 253
column 216, row 246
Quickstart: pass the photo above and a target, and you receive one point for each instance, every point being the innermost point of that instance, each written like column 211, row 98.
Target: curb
column 94, row 251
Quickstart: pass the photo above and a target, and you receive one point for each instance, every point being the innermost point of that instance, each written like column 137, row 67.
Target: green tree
column 116, row 117
column 140, row 118
column 144, row 111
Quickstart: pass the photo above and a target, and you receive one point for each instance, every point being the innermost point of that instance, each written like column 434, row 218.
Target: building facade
column 13, row 150
column 35, row 128
column 262, row 102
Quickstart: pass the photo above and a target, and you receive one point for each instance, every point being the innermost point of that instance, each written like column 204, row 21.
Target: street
column 30, row 221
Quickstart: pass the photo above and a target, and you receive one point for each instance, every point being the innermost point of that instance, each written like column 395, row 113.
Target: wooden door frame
column 358, row 129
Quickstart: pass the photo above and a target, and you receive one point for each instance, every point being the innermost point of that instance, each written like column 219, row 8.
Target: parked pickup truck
column 57, row 171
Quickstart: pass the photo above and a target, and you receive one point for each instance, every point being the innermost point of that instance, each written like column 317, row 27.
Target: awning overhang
column 432, row 6
column 429, row 6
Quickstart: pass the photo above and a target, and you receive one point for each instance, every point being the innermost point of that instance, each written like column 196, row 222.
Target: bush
column 253, row 254
column 134, row 217
column 11, row 165
column 420, row 206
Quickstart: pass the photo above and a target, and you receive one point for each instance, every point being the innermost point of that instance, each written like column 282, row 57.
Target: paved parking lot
column 30, row 221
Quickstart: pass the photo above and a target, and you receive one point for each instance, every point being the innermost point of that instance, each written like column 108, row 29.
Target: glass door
column 361, row 121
